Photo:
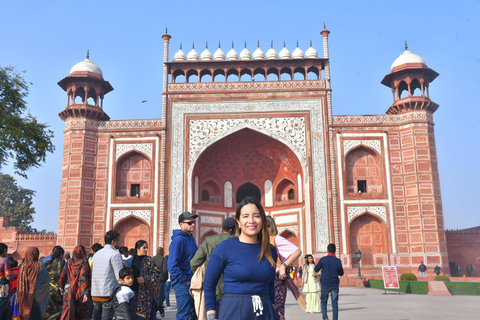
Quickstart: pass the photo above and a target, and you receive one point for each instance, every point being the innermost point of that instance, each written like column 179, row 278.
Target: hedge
column 421, row 287
column 405, row 286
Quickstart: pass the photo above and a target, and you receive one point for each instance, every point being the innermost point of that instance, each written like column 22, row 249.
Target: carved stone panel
column 142, row 214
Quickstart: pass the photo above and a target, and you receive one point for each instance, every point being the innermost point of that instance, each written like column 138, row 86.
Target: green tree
column 22, row 137
column 16, row 203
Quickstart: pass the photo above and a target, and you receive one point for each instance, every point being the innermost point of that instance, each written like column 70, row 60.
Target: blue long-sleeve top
column 238, row 261
column 181, row 251
column 331, row 268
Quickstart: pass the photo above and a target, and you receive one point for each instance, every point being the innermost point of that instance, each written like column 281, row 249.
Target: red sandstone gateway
column 262, row 124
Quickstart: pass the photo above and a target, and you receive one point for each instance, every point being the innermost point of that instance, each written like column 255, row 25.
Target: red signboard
column 390, row 277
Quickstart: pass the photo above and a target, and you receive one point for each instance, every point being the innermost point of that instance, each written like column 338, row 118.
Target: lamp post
column 358, row 256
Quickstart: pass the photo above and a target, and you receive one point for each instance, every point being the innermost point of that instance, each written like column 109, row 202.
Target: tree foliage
column 22, row 137
column 16, row 203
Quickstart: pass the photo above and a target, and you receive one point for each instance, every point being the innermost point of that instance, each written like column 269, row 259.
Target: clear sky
column 46, row 38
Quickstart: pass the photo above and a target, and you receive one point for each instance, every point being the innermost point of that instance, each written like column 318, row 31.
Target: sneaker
column 169, row 308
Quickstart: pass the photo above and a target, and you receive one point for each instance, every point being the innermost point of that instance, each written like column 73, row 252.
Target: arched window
column 364, row 171
column 402, row 87
column 247, row 189
column 291, row 194
column 285, row 190
column 211, row 192
column 134, row 175
column 205, row 195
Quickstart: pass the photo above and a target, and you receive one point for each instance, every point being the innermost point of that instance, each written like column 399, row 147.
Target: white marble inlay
column 379, row 211
column 350, row 144
column 123, row 148
column 142, row 214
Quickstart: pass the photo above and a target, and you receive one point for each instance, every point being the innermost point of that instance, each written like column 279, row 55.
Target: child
column 124, row 302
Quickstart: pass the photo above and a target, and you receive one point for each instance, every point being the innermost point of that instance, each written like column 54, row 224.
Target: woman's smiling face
column 250, row 220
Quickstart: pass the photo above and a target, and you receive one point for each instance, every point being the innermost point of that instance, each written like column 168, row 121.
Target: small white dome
column 271, row 53
column 87, row 65
column 407, row 57
column 206, row 55
column 311, row 52
column 219, row 54
column 284, row 53
column 258, row 54
column 245, row 54
column 297, row 53
column 193, row 54
column 180, row 55
column 232, row 54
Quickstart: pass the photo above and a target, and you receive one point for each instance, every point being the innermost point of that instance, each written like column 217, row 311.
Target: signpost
column 390, row 278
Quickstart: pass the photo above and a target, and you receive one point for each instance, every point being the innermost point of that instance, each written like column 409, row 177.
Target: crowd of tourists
column 250, row 267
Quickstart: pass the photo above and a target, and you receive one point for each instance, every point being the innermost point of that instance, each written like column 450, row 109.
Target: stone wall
column 18, row 242
column 464, row 249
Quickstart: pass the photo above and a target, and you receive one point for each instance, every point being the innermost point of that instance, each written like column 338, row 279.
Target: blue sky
column 46, row 38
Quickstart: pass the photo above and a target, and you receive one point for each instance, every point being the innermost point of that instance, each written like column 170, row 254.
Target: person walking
column 54, row 267
column 437, row 270
column 145, row 284
column 311, row 285
column 106, row 265
column 161, row 262
column 76, row 281
column 422, row 268
column 33, row 287
column 182, row 249
column 287, row 253
column 331, row 268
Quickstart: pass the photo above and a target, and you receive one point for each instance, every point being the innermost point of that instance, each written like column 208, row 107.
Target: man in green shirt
column 206, row 248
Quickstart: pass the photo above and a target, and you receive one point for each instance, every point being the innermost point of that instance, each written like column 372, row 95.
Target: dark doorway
column 248, row 189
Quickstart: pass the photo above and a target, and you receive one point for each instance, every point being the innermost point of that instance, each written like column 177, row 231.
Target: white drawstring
column 257, row 305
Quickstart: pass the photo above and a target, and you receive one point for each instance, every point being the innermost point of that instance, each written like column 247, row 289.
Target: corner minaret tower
column 409, row 73
column 85, row 89
column 83, row 169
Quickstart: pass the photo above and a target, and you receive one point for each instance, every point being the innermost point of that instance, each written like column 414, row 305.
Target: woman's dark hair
column 139, row 244
column 57, row 252
column 306, row 259
column 263, row 236
column 3, row 248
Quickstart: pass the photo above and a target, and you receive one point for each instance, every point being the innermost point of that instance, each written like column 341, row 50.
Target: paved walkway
column 369, row 304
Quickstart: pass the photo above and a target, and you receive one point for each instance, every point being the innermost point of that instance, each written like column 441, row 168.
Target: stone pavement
column 369, row 304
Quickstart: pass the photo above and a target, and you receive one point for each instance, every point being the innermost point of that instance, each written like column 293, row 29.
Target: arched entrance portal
column 131, row 230
column 368, row 234
column 246, row 190
column 243, row 163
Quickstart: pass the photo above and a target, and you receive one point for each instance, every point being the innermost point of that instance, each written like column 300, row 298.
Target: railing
column 35, row 237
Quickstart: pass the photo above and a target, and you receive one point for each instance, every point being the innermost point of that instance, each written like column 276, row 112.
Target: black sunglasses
column 189, row 222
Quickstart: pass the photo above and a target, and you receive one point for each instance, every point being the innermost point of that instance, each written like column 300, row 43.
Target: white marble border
column 179, row 136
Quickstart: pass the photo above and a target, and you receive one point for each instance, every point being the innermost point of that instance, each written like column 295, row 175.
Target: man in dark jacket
column 207, row 247
column 331, row 268
column 161, row 262
column 181, row 251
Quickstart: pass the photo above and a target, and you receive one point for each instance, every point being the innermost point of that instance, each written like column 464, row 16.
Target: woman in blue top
column 248, row 267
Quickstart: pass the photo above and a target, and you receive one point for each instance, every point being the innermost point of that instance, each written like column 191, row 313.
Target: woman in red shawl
column 76, row 281
column 33, row 285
